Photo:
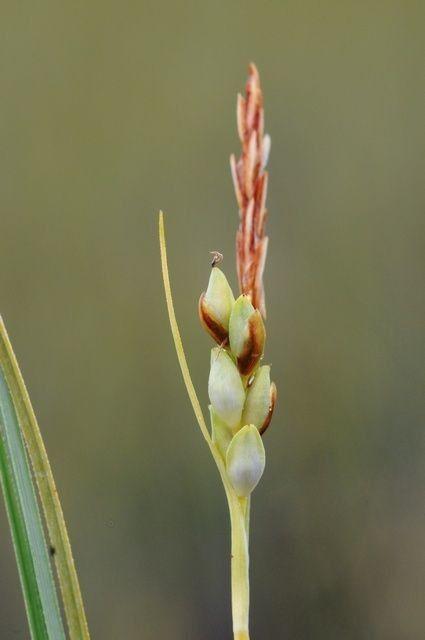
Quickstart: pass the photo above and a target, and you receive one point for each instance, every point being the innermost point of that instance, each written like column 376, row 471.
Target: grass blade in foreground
column 25, row 523
column 68, row 580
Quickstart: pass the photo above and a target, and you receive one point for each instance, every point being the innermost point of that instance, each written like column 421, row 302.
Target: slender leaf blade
column 25, row 522
column 68, row 579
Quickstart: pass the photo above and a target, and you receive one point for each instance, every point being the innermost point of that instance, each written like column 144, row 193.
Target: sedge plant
column 242, row 396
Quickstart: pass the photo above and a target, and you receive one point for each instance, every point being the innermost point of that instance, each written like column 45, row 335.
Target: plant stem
column 239, row 567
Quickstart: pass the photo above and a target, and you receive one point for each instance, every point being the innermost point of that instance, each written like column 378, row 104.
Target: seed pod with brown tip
column 215, row 306
column 260, row 400
column 246, row 334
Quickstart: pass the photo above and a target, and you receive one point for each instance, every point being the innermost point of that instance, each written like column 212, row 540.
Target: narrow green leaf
column 26, row 526
column 59, row 540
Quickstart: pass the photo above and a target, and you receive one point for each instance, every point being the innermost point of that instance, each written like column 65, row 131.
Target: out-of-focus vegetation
column 109, row 111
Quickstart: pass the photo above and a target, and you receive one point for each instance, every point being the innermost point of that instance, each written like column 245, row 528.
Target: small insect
column 217, row 258
column 52, row 550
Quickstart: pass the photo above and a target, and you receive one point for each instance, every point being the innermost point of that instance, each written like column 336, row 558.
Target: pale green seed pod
column 225, row 388
column 246, row 334
column 221, row 433
column 215, row 306
column 245, row 460
column 260, row 400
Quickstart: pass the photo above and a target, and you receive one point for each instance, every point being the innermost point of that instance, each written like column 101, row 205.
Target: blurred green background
column 109, row 111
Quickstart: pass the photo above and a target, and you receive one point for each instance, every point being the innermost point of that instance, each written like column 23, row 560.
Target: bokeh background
column 109, row 111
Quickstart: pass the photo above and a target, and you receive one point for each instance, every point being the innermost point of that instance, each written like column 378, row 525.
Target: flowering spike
column 241, row 394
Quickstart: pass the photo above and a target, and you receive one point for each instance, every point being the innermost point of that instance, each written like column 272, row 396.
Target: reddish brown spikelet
column 250, row 182
column 250, row 356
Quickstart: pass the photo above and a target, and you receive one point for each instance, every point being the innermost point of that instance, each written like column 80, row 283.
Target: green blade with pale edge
column 25, row 523
column 68, row 580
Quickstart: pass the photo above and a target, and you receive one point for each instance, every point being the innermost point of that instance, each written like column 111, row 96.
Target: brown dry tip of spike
column 273, row 396
column 210, row 324
column 250, row 183
column 254, row 345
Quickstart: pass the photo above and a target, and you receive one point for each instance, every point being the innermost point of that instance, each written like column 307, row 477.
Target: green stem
column 240, row 567
column 247, row 517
